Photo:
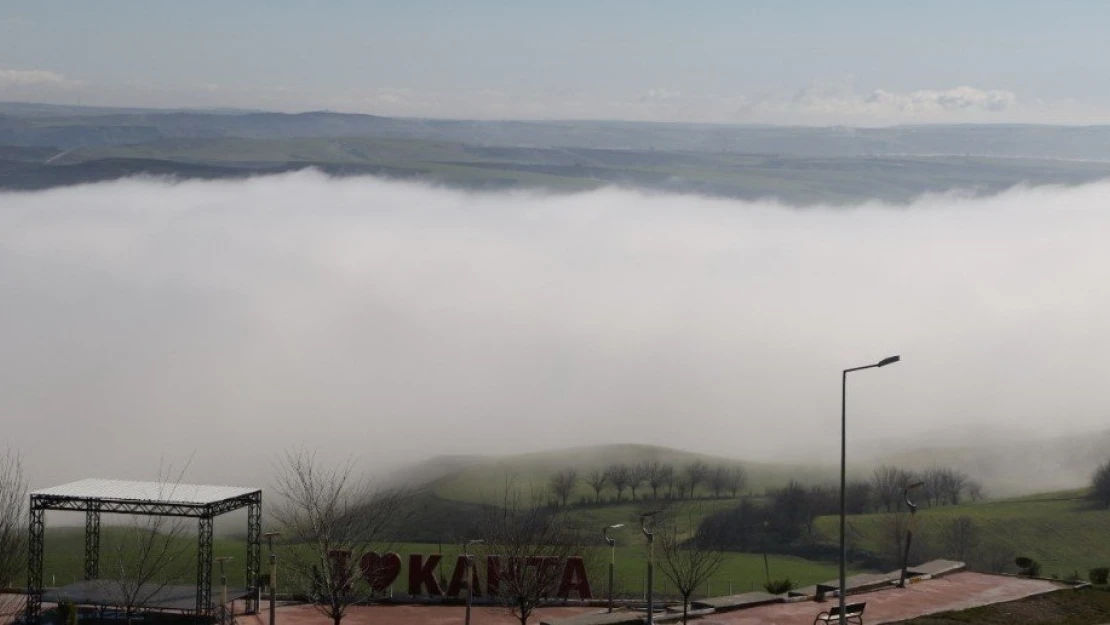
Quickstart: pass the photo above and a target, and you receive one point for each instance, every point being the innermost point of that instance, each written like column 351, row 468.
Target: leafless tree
column 620, row 476
column 737, row 480
column 597, row 479
column 337, row 519
column 563, row 483
column 149, row 552
column 530, row 544
column 640, row 474
column 13, row 531
column 718, row 480
column 953, row 483
column 695, row 473
column 960, row 537
column 686, row 561
column 975, row 490
column 887, row 483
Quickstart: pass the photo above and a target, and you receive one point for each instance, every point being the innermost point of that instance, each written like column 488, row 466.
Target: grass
column 1061, row 530
column 740, row 572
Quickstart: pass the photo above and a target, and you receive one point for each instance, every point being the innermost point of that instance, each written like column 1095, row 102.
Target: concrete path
column 957, row 591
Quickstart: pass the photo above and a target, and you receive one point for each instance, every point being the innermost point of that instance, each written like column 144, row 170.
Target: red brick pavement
column 408, row 615
column 957, row 591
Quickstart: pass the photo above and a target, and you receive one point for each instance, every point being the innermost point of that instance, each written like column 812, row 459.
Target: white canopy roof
column 154, row 492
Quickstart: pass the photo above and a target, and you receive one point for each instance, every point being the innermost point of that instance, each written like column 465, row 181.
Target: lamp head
column 889, row 360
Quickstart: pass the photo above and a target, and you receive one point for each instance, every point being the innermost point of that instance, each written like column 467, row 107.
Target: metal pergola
column 94, row 497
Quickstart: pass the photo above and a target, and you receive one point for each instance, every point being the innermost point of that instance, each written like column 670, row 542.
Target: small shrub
column 1099, row 575
column 67, row 613
column 1028, row 566
column 779, row 586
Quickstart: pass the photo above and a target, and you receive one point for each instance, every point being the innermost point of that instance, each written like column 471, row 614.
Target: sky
column 149, row 322
column 784, row 62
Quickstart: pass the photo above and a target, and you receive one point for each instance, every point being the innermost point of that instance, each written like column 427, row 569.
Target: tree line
column 785, row 518
column 663, row 479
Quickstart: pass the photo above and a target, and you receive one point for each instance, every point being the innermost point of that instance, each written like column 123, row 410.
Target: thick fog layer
column 146, row 321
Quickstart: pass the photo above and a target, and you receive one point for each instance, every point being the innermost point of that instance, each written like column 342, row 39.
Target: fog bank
column 147, row 319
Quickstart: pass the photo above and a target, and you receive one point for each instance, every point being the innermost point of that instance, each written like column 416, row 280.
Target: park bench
column 853, row 613
column 824, row 589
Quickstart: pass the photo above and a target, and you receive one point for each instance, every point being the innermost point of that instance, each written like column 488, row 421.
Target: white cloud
column 15, row 77
column 394, row 321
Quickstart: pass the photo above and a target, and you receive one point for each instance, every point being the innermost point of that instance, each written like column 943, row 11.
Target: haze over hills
column 46, row 146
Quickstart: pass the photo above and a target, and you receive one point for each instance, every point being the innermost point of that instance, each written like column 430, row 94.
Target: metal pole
column 909, row 530
column 469, row 577
column 273, row 576
column 612, row 557
column 843, row 464
column 651, row 562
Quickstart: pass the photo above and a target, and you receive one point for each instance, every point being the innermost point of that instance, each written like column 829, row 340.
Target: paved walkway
column 957, row 591
column 414, row 615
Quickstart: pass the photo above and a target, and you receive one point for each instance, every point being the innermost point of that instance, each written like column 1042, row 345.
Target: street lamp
column 909, row 531
column 843, row 463
column 469, row 576
column 223, row 590
column 270, row 536
column 612, row 557
column 644, row 518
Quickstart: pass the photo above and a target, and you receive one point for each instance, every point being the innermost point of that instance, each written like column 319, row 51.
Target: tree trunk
column 685, row 606
column 336, row 619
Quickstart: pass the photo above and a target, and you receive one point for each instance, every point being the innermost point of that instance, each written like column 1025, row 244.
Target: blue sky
column 710, row 60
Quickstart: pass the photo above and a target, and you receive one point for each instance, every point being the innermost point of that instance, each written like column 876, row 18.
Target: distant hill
column 484, row 479
column 68, row 127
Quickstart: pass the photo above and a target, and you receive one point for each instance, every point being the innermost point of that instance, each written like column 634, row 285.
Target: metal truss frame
column 94, row 507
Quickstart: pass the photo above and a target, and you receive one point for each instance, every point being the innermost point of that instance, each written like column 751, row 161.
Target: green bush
column 1029, row 567
column 1099, row 575
column 779, row 586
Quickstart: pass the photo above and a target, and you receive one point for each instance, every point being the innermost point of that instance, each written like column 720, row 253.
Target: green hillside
column 484, row 480
column 1062, row 530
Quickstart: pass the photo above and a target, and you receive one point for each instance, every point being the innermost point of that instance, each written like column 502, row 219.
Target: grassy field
column 740, row 572
column 1061, row 530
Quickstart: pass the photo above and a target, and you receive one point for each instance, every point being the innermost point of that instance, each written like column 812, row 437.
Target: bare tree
column 149, row 552
column 563, row 483
column 952, row 485
column 695, row 473
column 529, row 544
column 718, row 480
column 640, row 474
column 620, row 476
column 13, row 531
column 658, row 475
column 338, row 520
column 686, row 561
column 975, row 490
column 597, row 479
column 887, row 483
column 737, row 480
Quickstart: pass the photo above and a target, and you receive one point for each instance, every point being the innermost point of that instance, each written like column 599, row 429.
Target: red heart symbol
column 380, row 571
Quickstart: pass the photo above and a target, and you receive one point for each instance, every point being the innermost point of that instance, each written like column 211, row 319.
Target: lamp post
column 612, row 557
column 223, row 588
column 909, row 531
column 843, row 463
column 469, row 576
column 644, row 519
column 270, row 536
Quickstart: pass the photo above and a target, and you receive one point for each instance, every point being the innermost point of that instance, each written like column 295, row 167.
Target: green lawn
column 740, row 572
column 1061, row 530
